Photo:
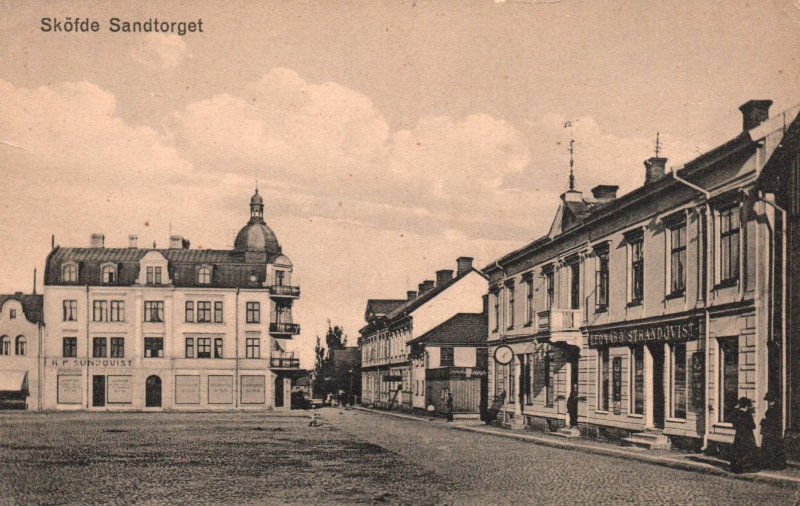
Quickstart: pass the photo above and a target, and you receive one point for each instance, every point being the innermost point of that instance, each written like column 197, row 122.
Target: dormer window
column 204, row 276
column 109, row 273
column 153, row 275
column 69, row 273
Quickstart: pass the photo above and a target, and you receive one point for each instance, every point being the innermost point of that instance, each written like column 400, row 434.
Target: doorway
column 657, row 384
column 98, row 391
column 279, row 392
column 152, row 397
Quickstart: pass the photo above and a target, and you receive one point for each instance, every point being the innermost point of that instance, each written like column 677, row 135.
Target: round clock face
column 503, row 355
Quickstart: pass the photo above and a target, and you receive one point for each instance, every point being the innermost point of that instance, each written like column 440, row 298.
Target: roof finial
column 658, row 144
column 568, row 124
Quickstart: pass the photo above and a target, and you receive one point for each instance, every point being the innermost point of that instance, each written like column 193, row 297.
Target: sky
column 387, row 138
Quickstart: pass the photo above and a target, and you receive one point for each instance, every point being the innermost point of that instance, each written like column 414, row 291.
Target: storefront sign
column 253, row 390
column 467, row 372
column 220, row 389
column 120, row 390
column 69, row 389
column 187, row 389
column 684, row 330
column 96, row 362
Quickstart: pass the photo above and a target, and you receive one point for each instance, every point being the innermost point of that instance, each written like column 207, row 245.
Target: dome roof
column 256, row 236
column 256, row 199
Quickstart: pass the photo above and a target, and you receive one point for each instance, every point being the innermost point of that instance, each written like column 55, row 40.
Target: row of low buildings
column 149, row 329
column 662, row 306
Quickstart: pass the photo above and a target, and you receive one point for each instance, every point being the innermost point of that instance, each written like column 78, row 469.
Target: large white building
column 149, row 329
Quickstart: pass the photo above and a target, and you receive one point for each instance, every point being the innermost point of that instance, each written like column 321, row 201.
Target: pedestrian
column 745, row 456
column 572, row 406
column 494, row 409
column 773, row 452
column 449, row 407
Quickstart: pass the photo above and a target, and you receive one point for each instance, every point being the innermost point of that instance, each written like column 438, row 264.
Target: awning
column 14, row 381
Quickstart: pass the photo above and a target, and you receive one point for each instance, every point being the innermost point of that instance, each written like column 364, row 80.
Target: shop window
column 729, row 245
column 677, row 259
column 20, row 347
column 203, row 311
column 253, row 347
column 117, row 347
column 154, row 311
column 446, row 358
column 549, row 384
column 153, row 347
column 637, row 380
column 601, row 281
column 679, row 380
column 218, row 311
column 5, row 345
column 603, row 379
column 527, row 377
column 69, row 273
column 729, row 369
column 189, row 348
column 253, row 312
column 69, row 347
column 70, row 310
column 99, row 347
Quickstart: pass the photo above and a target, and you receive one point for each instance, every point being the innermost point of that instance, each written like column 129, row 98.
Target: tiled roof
column 31, row 304
column 383, row 306
column 466, row 329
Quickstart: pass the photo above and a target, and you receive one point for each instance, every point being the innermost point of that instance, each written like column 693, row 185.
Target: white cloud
column 159, row 50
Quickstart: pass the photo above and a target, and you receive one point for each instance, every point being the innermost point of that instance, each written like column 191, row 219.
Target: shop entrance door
column 657, row 377
column 152, row 393
column 279, row 392
column 98, row 391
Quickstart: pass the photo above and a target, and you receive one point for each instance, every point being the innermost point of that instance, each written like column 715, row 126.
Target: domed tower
column 256, row 240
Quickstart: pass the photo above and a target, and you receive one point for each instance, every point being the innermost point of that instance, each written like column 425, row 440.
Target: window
column 637, row 270
column 100, row 311
column 604, row 379
column 253, row 347
column 637, row 383
column 218, row 311
column 99, row 349
column 153, row 347
column 512, row 391
column 12, row 314
column 729, row 245
column 677, row 259
column 446, row 358
column 117, row 347
column 218, row 347
column 510, row 291
column 189, row 311
column 499, row 379
column 253, row 312
column 204, row 276
column 70, row 347
column 154, row 311
column 153, row 275
column 527, row 377
column 117, row 313
column 109, row 273
column 5, row 345
column 601, row 289
column 69, row 273
column 575, row 285
column 496, row 300
column 203, row 347
column 279, row 278
column 529, row 301
column 679, row 380
column 549, row 288
column 548, row 379
column 20, row 347
column 189, row 348
column 729, row 369
column 204, row 311
column 70, row 310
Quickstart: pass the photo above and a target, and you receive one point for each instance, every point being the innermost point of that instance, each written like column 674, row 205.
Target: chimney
column 175, row 242
column 411, row 295
column 97, row 241
column 425, row 286
column 443, row 276
column 654, row 169
column 185, row 243
column 605, row 192
column 464, row 265
column 133, row 241
column 754, row 113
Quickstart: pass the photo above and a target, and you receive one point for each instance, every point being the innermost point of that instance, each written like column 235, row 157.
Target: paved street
column 354, row 457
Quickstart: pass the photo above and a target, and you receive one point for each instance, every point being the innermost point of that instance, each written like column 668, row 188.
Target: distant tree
column 320, row 366
column 335, row 338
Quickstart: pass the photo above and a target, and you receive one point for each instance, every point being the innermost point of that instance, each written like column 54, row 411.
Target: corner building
column 659, row 305
column 150, row 329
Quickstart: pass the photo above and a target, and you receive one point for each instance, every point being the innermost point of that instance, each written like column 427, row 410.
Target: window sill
column 634, row 415
column 601, row 309
column 598, row 412
column 675, row 420
column 529, row 324
column 728, row 283
column 634, row 303
column 675, row 295
column 723, row 425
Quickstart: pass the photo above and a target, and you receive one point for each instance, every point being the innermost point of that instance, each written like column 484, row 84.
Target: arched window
column 20, row 346
column 5, row 345
column 109, row 274
column 204, row 276
column 70, row 273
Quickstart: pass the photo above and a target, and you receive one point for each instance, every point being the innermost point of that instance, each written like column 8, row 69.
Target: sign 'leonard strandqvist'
column 683, row 330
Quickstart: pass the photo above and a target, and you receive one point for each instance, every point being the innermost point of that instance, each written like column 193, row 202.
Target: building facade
column 657, row 305
column 392, row 324
column 21, row 330
column 176, row 328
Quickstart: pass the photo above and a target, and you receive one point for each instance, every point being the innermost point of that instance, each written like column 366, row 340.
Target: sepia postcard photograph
column 417, row 252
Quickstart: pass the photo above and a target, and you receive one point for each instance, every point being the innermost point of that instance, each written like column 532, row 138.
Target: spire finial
column 658, row 144
column 568, row 124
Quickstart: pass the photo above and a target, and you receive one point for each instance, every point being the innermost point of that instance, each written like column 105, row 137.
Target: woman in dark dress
column 745, row 457
column 773, row 453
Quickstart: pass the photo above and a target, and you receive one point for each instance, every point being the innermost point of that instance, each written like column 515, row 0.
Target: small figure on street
column 496, row 407
column 745, row 457
column 315, row 420
column 449, row 407
column 572, row 406
column 773, row 452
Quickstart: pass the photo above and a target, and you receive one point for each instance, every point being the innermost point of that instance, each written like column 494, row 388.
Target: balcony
column 280, row 360
column 281, row 329
column 561, row 325
column 284, row 292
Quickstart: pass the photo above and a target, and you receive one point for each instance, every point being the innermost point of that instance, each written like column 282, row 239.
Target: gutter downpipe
column 502, row 340
column 707, row 234
column 784, row 360
column 236, row 333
